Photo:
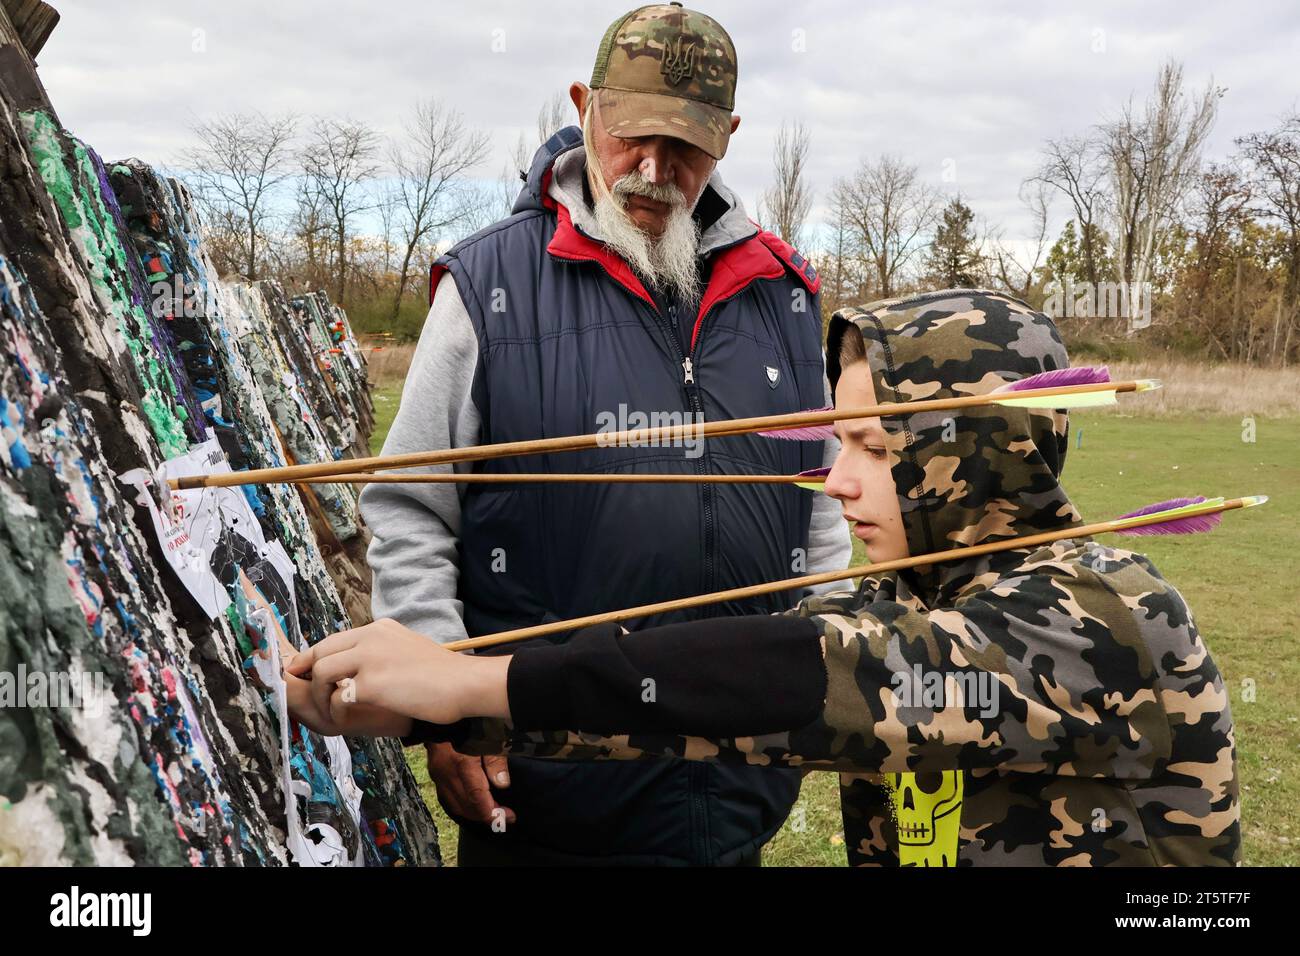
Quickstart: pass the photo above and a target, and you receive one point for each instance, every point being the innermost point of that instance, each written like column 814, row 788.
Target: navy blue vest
column 570, row 341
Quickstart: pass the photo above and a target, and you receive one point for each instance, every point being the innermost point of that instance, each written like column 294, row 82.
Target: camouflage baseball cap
column 663, row 70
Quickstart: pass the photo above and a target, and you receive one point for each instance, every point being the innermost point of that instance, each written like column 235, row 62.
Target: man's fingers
column 462, row 784
column 457, row 793
column 478, row 794
column 453, row 798
column 444, row 771
column 497, row 769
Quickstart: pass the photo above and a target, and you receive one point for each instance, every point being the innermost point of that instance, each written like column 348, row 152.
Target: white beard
column 668, row 262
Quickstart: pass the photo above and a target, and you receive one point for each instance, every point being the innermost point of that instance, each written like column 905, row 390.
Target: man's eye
column 878, row 452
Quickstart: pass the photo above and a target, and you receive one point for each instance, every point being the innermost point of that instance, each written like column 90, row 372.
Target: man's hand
column 463, row 783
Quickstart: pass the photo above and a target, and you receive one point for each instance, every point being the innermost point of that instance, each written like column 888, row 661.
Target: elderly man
column 628, row 282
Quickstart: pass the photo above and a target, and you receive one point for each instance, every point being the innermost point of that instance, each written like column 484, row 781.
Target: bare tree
column 238, row 163
column 788, row 200
column 511, row 179
column 1015, row 271
column 1220, row 208
column 833, row 264
column 430, row 164
column 553, row 117
column 1152, row 159
column 388, row 207
column 1218, row 218
column 887, row 211
column 337, row 160
column 226, row 234
column 1274, row 158
column 311, row 232
column 1073, row 166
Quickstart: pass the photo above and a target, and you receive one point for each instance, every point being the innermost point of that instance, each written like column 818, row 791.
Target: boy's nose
column 840, row 484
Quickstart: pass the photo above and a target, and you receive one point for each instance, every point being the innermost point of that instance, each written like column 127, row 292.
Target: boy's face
column 860, row 478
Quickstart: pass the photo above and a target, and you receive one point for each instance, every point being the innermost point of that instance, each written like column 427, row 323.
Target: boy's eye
column 878, row 452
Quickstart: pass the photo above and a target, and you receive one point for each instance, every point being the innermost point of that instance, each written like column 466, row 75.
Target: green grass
column 1239, row 581
column 415, row 759
column 371, row 315
column 386, row 401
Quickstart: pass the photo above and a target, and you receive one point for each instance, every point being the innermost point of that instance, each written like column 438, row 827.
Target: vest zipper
column 696, row 774
column 696, row 406
column 710, row 545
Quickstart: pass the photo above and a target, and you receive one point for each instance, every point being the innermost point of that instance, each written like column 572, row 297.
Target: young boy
column 1047, row 706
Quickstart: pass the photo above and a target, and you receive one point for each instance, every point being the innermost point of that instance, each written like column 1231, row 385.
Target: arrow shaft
column 524, row 478
column 663, row 435
column 825, row 577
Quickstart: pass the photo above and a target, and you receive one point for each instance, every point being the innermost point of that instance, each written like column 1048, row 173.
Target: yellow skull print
column 927, row 811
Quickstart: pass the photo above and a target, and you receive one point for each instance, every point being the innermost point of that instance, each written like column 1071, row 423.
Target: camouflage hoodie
column 1053, row 706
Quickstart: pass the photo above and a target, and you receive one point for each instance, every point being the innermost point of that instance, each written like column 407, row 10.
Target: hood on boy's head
column 973, row 475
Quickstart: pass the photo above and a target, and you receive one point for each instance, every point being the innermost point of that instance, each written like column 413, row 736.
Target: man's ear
column 735, row 121
column 578, row 92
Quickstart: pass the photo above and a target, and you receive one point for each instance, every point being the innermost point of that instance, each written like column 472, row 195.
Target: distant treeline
column 1162, row 248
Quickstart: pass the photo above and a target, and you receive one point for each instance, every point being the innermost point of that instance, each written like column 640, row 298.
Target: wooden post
column 25, row 25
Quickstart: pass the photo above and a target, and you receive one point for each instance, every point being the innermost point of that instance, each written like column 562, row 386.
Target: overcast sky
column 973, row 88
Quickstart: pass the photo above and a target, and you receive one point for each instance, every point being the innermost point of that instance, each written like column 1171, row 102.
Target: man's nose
column 656, row 165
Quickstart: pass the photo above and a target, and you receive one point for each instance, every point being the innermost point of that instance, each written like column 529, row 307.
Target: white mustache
column 635, row 184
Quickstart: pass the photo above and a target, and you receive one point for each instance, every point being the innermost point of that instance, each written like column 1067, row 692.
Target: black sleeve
column 721, row 677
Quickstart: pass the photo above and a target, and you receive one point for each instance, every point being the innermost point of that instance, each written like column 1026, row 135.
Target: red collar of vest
column 761, row 256
column 569, row 243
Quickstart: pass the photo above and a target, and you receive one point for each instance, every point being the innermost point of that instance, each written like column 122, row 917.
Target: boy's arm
column 1044, row 672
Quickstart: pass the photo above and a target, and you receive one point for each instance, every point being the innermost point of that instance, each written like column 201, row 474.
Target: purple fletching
column 804, row 432
column 1169, row 505
column 1082, row 375
column 1188, row 525
column 1192, row 525
column 814, row 473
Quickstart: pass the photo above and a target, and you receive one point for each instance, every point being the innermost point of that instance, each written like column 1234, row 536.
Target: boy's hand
column 358, row 720
column 389, row 666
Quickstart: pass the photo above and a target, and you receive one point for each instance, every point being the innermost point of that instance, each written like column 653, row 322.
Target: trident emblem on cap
column 678, row 61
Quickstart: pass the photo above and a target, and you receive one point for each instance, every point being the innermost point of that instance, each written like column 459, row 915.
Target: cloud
column 930, row 81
